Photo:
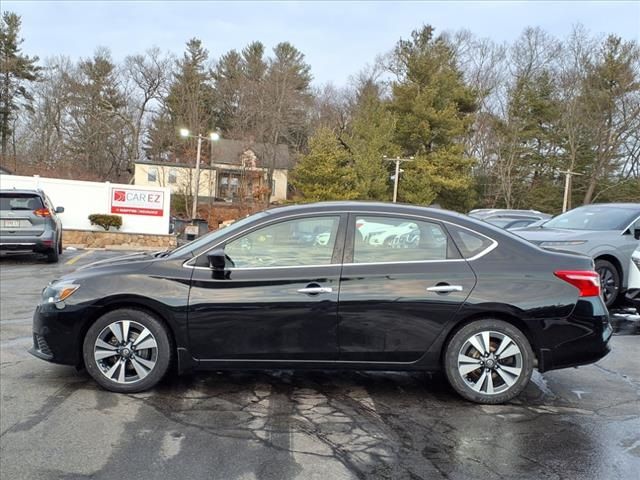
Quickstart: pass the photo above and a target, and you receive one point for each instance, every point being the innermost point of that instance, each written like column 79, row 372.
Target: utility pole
column 194, row 207
column 567, row 188
column 397, row 160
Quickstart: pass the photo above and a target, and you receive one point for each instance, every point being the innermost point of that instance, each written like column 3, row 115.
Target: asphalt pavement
column 55, row 423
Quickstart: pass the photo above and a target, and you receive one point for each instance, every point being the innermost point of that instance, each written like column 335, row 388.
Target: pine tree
column 326, row 172
column 434, row 111
column 369, row 139
column 189, row 104
column 17, row 70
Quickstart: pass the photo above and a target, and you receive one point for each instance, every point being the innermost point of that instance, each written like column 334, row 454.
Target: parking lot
column 56, row 423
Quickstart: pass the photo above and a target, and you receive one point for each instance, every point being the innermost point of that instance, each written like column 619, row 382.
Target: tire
column 53, row 254
column 104, row 351
column 491, row 374
column 609, row 281
column 60, row 245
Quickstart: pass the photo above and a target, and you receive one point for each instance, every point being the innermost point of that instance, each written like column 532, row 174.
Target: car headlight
column 563, row 243
column 58, row 292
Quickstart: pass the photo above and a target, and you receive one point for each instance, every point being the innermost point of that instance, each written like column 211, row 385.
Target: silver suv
column 29, row 221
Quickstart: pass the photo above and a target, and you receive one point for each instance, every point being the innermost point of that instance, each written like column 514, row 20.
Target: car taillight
column 586, row 281
column 42, row 212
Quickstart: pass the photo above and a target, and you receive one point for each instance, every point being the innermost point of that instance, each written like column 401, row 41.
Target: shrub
column 106, row 221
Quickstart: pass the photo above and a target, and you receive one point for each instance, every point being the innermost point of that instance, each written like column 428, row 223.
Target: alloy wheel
column 607, row 283
column 490, row 362
column 125, row 351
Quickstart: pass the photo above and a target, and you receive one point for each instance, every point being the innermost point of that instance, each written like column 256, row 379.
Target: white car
column 633, row 290
column 389, row 233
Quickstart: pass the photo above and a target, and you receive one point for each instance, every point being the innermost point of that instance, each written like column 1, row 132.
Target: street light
column 213, row 137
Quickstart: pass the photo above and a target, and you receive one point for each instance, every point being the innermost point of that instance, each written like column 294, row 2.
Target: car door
column 396, row 296
column 277, row 297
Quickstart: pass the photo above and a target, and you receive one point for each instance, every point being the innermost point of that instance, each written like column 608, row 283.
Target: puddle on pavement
column 625, row 321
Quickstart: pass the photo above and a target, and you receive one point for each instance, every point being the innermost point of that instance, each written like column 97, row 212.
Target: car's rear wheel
column 488, row 361
column 53, row 254
column 127, row 351
column 609, row 281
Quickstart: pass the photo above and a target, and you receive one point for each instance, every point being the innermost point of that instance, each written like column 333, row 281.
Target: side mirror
column 217, row 259
column 59, row 209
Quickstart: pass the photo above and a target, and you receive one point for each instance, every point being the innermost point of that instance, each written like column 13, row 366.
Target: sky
column 337, row 38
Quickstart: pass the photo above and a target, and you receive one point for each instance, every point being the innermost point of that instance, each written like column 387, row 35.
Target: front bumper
column 580, row 339
column 57, row 334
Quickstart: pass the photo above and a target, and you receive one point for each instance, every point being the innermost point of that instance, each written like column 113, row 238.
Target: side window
column 396, row 239
column 304, row 241
column 469, row 243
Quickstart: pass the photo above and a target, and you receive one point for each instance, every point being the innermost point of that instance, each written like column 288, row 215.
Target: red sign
column 130, row 201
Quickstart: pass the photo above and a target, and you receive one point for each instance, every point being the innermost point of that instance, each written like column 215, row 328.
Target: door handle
column 445, row 288
column 315, row 290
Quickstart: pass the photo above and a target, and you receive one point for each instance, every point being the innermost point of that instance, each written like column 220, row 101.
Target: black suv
column 28, row 221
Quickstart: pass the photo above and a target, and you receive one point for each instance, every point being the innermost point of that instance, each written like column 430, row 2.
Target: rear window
column 20, row 201
column 468, row 242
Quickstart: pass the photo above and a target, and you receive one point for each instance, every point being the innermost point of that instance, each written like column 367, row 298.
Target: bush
column 106, row 221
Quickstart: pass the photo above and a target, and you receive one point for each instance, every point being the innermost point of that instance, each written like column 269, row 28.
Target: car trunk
column 18, row 216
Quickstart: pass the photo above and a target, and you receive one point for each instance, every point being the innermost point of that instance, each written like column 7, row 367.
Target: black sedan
column 463, row 296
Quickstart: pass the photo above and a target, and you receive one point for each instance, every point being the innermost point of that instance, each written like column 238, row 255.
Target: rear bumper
column 581, row 339
column 36, row 243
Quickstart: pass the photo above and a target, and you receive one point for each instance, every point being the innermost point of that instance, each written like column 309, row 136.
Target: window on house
column 152, row 174
column 173, row 176
column 228, row 184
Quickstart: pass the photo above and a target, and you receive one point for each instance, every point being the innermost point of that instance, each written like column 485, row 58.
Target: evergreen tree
column 326, row 172
column 434, row 110
column 369, row 139
column 99, row 132
column 189, row 104
column 17, row 70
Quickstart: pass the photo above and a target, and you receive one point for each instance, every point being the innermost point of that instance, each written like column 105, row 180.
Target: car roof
column 381, row 207
column 363, row 206
column 612, row 205
column 22, row 191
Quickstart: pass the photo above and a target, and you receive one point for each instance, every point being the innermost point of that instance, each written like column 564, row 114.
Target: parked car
column 633, row 289
column 608, row 233
column 509, row 219
column 29, row 222
column 485, row 306
column 389, row 233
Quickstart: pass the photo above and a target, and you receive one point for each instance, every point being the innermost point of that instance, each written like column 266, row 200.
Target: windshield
column 594, row 217
column 211, row 237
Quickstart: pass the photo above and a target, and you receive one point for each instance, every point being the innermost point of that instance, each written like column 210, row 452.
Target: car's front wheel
column 488, row 361
column 127, row 351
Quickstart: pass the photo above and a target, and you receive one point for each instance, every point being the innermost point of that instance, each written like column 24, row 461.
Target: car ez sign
column 137, row 202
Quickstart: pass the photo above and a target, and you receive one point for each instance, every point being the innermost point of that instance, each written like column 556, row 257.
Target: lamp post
column 213, row 137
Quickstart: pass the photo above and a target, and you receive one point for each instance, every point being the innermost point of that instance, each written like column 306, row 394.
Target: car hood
column 538, row 235
column 140, row 257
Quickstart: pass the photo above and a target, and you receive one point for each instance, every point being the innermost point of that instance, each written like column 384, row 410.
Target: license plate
column 10, row 223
